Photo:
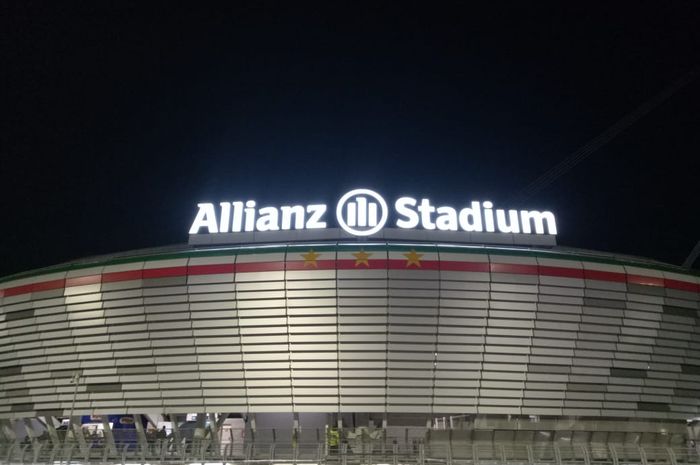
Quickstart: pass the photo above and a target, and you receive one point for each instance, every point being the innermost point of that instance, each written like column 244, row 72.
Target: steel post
column 108, row 436
column 141, row 436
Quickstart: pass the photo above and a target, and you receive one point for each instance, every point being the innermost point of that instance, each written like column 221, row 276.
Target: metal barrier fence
column 207, row 452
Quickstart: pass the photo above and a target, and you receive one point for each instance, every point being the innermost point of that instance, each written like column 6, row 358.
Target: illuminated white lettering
column 425, row 210
column 372, row 214
column 317, row 212
column 470, row 218
column 267, row 219
column 250, row 215
column 237, row 224
column 538, row 218
column 488, row 216
column 296, row 211
column 225, row 217
column 206, row 218
column 447, row 219
column 363, row 212
column 402, row 208
column 503, row 227
column 352, row 214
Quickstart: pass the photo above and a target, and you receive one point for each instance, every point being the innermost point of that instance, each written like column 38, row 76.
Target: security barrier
column 361, row 451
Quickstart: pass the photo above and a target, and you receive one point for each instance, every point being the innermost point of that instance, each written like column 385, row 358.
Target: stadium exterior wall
column 355, row 327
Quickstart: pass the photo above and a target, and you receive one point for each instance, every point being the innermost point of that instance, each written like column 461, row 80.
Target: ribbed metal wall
column 414, row 328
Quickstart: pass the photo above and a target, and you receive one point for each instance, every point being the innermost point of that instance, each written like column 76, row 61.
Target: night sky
column 117, row 118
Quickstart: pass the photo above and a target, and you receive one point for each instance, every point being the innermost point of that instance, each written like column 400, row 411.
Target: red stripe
column 17, row 290
column 513, row 268
column 326, row 264
column 382, row 264
column 297, row 265
column 681, row 285
column 83, row 280
column 346, row 264
column 117, row 276
column 427, row 264
column 165, row 272
column 36, row 287
column 645, row 280
column 259, row 266
column 481, row 267
column 221, row 268
column 403, row 264
column 48, row 285
column 350, row 264
column 561, row 272
column 605, row 276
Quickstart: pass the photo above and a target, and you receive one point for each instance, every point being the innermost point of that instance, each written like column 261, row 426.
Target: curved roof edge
column 185, row 250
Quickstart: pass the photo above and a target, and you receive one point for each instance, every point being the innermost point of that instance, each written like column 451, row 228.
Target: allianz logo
column 364, row 212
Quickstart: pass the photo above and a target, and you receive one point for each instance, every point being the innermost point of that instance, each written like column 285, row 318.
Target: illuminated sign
column 363, row 212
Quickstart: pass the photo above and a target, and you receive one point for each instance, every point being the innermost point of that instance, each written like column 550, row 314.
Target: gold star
column 310, row 258
column 361, row 258
column 413, row 258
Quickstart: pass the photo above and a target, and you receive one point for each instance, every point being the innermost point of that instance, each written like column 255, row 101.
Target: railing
column 377, row 452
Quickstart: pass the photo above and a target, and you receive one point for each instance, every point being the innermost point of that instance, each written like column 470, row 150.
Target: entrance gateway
column 364, row 212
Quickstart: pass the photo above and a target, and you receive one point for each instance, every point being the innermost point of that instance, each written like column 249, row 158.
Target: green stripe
column 242, row 250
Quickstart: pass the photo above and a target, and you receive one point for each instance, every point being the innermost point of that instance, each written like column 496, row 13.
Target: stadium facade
column 468, row 343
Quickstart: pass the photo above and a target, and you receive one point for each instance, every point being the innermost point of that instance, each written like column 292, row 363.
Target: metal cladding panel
column 364, row 327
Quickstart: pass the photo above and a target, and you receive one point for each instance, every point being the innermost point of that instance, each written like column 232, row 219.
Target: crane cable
column 606, row 136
